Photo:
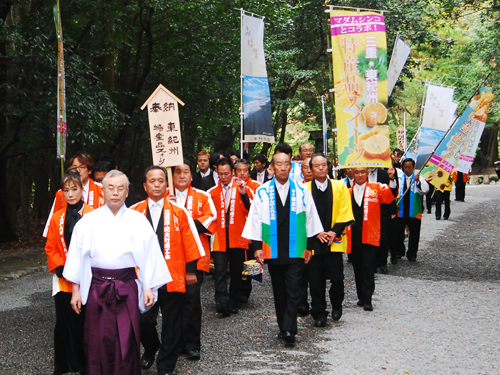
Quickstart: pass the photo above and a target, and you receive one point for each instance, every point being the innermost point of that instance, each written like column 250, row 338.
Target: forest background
column 118, row 51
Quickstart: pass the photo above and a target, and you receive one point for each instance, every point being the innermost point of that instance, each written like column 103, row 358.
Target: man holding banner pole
column 412, row 188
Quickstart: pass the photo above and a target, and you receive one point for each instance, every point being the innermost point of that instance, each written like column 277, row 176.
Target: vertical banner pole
column 241, row 94
column 61, row 89
column 325, row 128
column 404, row 124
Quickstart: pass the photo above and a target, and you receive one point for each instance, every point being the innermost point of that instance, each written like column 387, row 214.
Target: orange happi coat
column 55, row 247
column 180, row 239
column 253, row 184
column 236, row 219
column 95, row 198
column 201, row 207
column 375, row 195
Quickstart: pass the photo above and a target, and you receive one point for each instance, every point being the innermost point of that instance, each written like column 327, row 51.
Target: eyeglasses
column 81, row 167
column 112, row 189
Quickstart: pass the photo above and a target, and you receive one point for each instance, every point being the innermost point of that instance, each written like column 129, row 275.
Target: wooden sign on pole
column 165, row 130
column 401, row 137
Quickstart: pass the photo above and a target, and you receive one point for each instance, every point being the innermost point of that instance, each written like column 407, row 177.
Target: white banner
column 438, row 105
column 399, row 56
column 467, row 158
column 257, row 115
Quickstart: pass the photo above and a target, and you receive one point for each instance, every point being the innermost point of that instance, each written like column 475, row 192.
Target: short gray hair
column 242, row 161
column 115, row 173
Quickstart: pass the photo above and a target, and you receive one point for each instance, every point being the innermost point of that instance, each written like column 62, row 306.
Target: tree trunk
column 487, row 152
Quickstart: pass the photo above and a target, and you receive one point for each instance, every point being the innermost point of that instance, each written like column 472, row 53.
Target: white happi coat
column 103, row 240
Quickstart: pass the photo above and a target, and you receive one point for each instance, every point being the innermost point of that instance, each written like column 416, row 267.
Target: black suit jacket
column 253, row 176
column 208, row 182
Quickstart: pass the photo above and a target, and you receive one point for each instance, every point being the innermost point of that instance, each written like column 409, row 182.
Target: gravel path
column 436, row 316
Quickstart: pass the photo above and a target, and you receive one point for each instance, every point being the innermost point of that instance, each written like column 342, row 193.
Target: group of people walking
column 115, row 267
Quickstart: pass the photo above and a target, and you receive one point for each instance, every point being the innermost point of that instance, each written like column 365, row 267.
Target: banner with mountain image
column 458, row 142
column 257, row 118
column 359, row 47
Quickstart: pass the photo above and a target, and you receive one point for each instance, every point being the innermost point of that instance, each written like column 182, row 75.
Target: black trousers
column 286, row 280
column 171, row 304
column 364, row 263
column 460, row 188
column 68, row 336
column 328, row 266
column 430, row 198
column 414, row 236
column 383, row 250
column 442, row 196
column 191, row 317
column 235, row 257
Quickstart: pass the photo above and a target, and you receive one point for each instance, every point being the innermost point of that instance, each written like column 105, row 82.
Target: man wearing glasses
column 232, row 199
column 92, row 192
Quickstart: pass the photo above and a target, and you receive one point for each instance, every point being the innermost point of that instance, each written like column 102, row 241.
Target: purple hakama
column 112, row 323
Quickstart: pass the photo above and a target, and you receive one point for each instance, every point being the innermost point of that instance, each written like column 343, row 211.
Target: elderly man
column 366, row 198
column 232, row 199
column 412, row 188
column 333, row 204
column 306, row 170
column 107, row 246
column 281, row 220
column 92, row 192
column 181, row 248
column 200, row 206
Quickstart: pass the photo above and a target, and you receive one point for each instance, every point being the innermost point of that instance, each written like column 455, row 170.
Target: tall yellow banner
column 360, row 72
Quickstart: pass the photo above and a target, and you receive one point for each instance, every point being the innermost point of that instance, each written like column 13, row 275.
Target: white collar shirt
column 260, row 176
column 181, row 197
column 359, row 191
column 322, row 185
column 283, row 190
column 85, row 194
column 372, row 175
column 155, row 210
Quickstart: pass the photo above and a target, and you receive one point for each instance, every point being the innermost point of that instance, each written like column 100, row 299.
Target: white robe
column 103, row 240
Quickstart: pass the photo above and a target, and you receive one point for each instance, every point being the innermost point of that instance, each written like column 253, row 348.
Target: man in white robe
column 106, row 249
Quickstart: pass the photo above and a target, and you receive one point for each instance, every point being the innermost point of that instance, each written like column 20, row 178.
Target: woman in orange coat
column 68, row 330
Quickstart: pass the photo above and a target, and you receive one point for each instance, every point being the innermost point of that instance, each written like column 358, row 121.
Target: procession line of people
column 115, row 267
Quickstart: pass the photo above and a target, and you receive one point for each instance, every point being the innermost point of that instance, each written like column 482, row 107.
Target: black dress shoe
column 303, row 311
column 223, row 309
column 445, row 217
column 193, row 355
column 384, row 270
column 399, row 256
column 394, row 261
column 438, row 218
column 360, row 304
column 321, row 322
column 412, row 258
column 234, row 310
column 337, row 314
column 289, row 338
column 147, row 360
column 368, row 307
column 429, row 212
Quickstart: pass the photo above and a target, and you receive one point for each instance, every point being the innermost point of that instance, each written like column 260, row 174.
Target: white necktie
column 283, row 194
column 155, row 214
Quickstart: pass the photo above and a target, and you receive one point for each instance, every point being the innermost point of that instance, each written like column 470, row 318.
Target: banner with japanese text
column 61, row 87
column 438, row 109
column 359, row 47
column 459, row 140
column 257, row 115
column 400, row 54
